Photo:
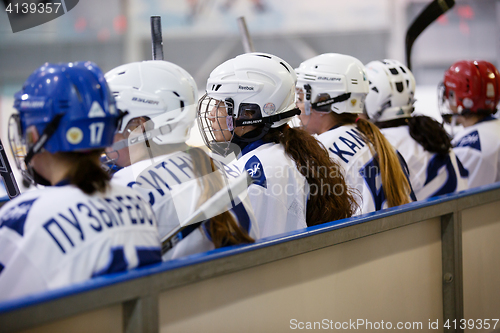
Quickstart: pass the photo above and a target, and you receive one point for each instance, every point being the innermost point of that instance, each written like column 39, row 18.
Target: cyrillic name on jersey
column 174, row 167
column 112, row 212
column 354, row 143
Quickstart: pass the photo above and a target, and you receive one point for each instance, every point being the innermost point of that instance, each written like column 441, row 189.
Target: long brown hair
column 315, row 164
column 223, row 228
column 429, row 133
column 86, row 172
column 396, row 187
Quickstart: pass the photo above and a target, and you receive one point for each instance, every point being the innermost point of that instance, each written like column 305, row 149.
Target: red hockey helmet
column 471, row 86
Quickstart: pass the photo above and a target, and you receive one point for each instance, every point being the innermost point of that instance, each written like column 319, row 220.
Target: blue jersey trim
column 117, row 262
column 16, row 216
column 251, row 146
column 63, row 182
column 488, row 118
column 103, row 281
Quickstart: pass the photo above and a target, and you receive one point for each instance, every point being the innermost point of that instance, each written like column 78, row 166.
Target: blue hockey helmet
column 69, row 105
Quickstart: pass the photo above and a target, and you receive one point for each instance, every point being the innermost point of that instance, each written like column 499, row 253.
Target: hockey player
column 470, row 92
column 159, row 98
column 248, row 102
column 331, row 93
column 79, row 226
column 423, row 142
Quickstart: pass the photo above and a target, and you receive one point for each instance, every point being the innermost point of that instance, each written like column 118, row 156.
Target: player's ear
column 146, row 123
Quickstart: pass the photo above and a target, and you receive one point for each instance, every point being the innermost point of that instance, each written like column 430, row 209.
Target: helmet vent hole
column 64, row 104
column 285, row 66
column 135, row 88
column 121, row 73
column 408, row 84
column 176, row 94
column 394, row 71
column 217, row 87
column 375, row 89
column 402, row 70
column 77, row 93
column 399, row 86
column 354, row 81
column 264, row 56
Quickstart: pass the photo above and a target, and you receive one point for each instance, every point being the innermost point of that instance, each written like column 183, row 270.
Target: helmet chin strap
column 46, row 135
column 237, row 139
column 308, row 105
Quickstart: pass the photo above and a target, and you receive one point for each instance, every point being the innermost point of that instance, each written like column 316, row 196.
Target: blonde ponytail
column 397, row 189
column 223, row 228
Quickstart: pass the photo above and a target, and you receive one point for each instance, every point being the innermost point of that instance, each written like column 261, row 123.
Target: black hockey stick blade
column 156, row 38
column 435, row 9
column 7, row 174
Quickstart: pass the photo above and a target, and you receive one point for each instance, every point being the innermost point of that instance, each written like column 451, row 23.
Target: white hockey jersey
column 58, row 235
column 170, row 185
column 478, row 148
column 346, row 145
column 431, row 174
column 279, row 191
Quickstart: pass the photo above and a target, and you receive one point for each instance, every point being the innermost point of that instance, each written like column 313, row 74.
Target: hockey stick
column 435, row 9
column 7, row 174
column 156, row 38
column 221, row 201
column 245, row 35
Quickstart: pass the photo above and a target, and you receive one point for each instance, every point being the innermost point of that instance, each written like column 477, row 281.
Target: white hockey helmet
column 333, row 82
column 392, row 90
column 159, row 90
column 258, row 82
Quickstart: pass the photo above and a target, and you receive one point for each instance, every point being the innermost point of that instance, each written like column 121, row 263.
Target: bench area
column 428, row 261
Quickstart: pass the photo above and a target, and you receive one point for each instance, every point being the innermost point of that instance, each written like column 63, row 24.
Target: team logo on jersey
column 16, row 216
column 470, row 140
column 269, row 109
column 74, row 135
column 256, row 171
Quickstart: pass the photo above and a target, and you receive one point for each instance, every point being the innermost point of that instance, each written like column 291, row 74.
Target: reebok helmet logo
column 240, row 87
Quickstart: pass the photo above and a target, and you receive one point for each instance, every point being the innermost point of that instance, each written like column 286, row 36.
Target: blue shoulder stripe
column 470, row 140
column 255, row 169
column 15, row 217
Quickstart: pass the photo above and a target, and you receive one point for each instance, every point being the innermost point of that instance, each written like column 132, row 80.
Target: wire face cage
column 215, row 122
column 18, row 145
